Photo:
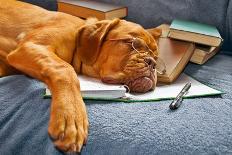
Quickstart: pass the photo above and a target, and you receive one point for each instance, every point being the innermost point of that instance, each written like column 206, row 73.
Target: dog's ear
column 90, row 38
column 155, row 32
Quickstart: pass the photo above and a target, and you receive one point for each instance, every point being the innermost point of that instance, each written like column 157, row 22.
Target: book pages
column 94, row 88
column 171, row 91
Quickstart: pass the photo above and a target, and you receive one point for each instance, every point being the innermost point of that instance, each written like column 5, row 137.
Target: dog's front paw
column 68, row 124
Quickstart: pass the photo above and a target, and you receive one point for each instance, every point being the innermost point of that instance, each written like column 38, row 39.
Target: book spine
column 118, row 13
column 194, row 37
column 79, row 11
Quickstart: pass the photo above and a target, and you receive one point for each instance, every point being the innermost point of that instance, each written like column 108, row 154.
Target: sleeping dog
column 55, row 47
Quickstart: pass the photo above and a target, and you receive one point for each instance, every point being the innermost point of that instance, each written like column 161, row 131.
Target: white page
column 172, row 90
column 95, row 89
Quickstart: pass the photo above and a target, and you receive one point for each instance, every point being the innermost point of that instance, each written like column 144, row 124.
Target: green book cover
column 195, row 27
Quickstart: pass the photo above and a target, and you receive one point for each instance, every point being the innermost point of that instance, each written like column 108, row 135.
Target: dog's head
column 119, row 52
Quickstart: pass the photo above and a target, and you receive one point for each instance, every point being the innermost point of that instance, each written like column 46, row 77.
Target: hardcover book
column 203, row 53
column 195, row 32
column 89, row 8
column 175, row 55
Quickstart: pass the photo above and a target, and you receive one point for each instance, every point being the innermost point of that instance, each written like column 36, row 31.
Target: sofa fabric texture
column 47, row 4
column 228, row 43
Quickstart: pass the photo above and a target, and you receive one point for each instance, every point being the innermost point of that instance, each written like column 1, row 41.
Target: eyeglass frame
column 159, row 60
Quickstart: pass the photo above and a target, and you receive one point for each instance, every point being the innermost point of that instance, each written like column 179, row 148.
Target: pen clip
column 185, row 93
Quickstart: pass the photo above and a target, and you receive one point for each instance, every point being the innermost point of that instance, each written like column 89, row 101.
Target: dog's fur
column 53, row 47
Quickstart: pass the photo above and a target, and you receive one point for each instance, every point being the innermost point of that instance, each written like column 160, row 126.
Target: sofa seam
column 227, row 22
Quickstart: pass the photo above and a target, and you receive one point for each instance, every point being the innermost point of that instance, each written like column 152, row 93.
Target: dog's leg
column 5, row 68
column 68, row 124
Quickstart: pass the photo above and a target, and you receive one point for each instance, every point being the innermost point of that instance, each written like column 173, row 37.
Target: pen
column 179, row 98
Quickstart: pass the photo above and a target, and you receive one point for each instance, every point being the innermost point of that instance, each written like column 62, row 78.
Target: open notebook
column 92, row 88
column 96, row 90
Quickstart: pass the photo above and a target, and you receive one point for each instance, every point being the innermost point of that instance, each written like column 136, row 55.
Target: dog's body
column 53, row 47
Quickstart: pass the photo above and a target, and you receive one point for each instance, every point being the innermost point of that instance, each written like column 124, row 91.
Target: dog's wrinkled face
column 132, row 61
column 127, row 56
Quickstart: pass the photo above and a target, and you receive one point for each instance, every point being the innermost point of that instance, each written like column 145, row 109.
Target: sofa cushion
column 47, row 4
column 228, row 41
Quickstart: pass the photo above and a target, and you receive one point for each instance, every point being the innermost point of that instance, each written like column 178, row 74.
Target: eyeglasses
column 138, row 45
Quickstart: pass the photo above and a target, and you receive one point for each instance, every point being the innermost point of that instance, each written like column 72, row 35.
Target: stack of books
column 185, row 41
column 206, row 38
column 89, row 8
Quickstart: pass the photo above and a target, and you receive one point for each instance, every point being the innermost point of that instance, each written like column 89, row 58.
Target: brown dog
column 53, row 47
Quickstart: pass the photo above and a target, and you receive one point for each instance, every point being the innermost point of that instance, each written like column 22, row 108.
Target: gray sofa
column 200, row 126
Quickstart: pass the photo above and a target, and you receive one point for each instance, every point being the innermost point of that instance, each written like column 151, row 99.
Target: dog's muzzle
column 140, row 85
column 145, row 79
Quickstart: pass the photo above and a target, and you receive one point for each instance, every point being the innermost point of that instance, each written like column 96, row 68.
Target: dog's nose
column 150, row 62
